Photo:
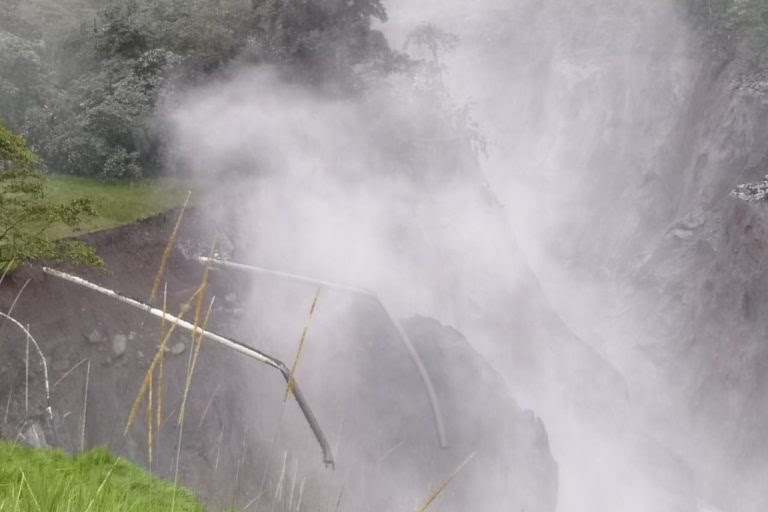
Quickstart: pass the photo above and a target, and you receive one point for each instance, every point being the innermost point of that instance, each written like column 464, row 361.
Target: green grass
column 52, row 481
column 117, row 203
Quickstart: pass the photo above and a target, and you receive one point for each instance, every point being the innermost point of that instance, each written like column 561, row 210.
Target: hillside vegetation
column 115, row 203
column 84, row 81
column 39, row 214
column 52, row 481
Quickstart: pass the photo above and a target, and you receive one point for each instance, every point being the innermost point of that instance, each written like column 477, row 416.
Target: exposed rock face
column 616, row 135
column 713, row 349
column 645, row 133
column 698, row 289
column 483, row 418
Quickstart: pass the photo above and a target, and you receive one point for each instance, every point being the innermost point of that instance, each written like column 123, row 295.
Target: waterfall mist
column 508, row 189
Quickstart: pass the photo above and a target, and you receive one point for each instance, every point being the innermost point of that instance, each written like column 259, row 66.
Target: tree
column 325, row 42
column 26, row 213
column 86, row 81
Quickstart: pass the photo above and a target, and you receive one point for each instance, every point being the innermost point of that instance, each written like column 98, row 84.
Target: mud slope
column 240, row 441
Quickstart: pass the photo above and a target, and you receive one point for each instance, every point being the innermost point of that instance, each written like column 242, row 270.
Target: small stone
column 133, row 335
column 95, row 337
column 119, row 344
column 178, row 348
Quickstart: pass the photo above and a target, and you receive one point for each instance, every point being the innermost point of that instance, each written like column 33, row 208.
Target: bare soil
column 242, row 445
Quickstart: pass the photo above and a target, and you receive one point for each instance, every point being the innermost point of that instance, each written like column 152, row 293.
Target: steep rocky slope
column 706, row 277
column 615, row 134
column 635, row 134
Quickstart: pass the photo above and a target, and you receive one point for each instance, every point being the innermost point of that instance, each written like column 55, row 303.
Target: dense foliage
column 84, row 80
column 26, row 213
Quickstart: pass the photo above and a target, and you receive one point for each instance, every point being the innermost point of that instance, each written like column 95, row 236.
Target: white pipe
column 31, row 338
column 433, row 400
column 229, row 343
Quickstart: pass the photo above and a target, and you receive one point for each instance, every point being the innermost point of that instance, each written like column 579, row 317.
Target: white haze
column 573, row 99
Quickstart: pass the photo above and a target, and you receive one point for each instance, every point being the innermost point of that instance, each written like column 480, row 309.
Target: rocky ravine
column 665, row 268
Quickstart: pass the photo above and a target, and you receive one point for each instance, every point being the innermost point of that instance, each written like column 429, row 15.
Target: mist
column 511, row 188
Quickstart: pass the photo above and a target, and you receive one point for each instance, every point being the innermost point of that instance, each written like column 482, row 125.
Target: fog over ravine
column 520, row 237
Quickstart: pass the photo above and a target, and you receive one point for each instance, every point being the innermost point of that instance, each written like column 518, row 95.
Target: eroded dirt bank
column 240, row 441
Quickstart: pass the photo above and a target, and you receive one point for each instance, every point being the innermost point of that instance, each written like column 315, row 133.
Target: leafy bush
column 26, row 214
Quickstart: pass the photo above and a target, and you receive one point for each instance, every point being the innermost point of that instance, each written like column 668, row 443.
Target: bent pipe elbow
column 230, row 343
column 434, row 402
column 308, row 414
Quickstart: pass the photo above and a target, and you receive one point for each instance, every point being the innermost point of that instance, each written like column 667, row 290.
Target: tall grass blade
column 338, row 503
column 176, row 469
column 218, row 450
column 24, row 481
column 8, row 406
column 208, row 405
column 292, row 381
column 279, row 490
column 293, row 485
column 101, row 486
column 150, row 419
column 13, row 306
column 26, row 375
column 85, row 407
column 168, row 250
column 196, row 338
column 445, row 484
column 18, row 498
column 161, row 365
column 200, row 297
column 197, row 345
column 301, row 493
column 68, row 372
column 7, row 268
column 163, row 344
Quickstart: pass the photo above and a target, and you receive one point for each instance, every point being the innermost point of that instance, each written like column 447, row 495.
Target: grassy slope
column 51, row 481
column 116, row 203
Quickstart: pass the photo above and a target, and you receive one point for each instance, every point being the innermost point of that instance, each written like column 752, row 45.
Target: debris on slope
column 755, row 191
